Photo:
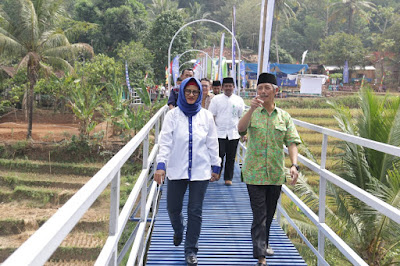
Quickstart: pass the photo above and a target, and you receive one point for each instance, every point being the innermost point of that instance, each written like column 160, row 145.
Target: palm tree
column 29, row 31
column 283, row 9
column 371, row 234
column 351, row 8
column 159, row 6
column 199, row 32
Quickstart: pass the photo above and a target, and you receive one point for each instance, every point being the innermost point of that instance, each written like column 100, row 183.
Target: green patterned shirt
column 264, row 162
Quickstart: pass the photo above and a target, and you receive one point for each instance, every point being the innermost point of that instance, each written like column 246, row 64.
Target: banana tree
column 84, row 100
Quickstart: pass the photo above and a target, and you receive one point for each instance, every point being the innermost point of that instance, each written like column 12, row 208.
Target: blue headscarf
column 189, row 109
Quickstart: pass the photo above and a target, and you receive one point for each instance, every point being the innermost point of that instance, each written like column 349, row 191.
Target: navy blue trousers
column 175, row 193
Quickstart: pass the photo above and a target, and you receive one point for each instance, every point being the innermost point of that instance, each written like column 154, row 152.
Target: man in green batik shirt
column 269, row 128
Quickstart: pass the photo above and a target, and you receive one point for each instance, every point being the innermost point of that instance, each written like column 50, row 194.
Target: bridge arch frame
column 190, row 23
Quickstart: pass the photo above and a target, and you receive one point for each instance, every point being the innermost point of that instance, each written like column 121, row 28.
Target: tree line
column 40, row 39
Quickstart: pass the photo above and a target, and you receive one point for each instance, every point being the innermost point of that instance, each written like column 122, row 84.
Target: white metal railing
column 41, row 245
column 324, row 231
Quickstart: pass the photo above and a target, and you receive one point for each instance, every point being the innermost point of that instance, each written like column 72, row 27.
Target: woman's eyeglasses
column 194, row 92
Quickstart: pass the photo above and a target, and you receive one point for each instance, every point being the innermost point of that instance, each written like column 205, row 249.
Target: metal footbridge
column 225, row 234
column 225, row 237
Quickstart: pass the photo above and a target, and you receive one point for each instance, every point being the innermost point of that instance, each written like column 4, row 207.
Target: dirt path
column 47, row 126
column 40, row 132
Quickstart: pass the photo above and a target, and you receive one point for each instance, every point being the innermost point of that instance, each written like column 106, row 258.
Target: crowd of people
column 201, row 131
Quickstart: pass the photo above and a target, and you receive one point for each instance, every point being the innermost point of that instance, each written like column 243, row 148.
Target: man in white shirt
column 162, row 91
column 227, row 109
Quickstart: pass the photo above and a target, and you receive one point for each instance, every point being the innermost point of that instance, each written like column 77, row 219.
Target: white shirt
column 175, row 147
column 227, row 112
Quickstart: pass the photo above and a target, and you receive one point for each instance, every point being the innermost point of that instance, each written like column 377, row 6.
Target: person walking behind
column 173, row 96
column 269, row 128
column 188, row 156
column 216, row 87
column 227, row 108
column 207, row 96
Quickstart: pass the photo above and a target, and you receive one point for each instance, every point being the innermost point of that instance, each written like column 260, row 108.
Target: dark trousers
column 263, row 201
column 175, row 192
column 228, row 147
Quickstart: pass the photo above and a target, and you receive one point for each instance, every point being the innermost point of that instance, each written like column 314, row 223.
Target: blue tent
column 287, row 68
column 251, row 70
column 279, row 70
column 282, row 70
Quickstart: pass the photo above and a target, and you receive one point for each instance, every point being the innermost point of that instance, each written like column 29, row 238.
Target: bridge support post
column 143, row 194
column 114, row 213
column 157, row 132
column 278, row 212
column 322, row 199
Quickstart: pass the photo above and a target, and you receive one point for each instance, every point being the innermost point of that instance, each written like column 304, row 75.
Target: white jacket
column 188, row 155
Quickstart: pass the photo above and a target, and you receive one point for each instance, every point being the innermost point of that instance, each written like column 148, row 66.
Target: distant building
column 356, row 72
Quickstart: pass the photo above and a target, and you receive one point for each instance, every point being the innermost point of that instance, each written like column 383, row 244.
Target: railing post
column 157, row 131
column 322, row 198
column 143, row 193
column 114, row 213
column 278, row 212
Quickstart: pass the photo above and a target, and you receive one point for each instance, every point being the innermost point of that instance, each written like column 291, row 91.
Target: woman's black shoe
column 178, row 239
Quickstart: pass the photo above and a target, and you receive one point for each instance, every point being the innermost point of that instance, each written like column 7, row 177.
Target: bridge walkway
column 225, row 237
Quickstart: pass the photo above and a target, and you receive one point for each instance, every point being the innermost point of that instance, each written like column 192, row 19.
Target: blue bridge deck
column 225, row 236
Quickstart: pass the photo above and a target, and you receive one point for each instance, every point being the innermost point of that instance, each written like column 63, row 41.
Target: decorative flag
column 346, row 72
column 212, row 64
column 128, row 84
column 243, row 73
column 166, row 75
column 234, row 49
column 362, row 82
column 221, row 50
column 205, row 66
column 195, row 65
column 303, row 57
column 175, row 69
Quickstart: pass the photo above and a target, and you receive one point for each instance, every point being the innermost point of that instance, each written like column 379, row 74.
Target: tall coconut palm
column 199, row 31
column 351, row 8
column 283, row 11
column 371, row 234
column 29, row 31
column 158, row 6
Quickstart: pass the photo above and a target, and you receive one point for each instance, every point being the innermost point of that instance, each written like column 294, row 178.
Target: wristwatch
column 297, row 166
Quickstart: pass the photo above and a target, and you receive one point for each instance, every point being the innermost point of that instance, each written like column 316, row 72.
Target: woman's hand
column 159, row 176
column 214, row 177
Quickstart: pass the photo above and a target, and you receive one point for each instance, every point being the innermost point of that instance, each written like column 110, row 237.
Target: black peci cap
column 266, row 78
column 228, row 80
column 216, row 83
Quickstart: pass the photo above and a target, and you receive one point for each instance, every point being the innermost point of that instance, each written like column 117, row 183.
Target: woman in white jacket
column 189, row 155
